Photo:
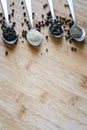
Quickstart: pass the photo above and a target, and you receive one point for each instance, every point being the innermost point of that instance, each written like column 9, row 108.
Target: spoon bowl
column 78, row 39
column 56, row 35
column 10, row 42
column 34, row 41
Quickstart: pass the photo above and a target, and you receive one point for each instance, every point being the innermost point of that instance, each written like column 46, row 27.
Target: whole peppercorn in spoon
column 10, row 36
column 55, row 28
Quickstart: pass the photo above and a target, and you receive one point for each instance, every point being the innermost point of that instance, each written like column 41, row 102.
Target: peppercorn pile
column 9, row 33
column 55, row 28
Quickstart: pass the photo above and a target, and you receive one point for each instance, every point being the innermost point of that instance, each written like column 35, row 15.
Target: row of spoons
column 33, row 31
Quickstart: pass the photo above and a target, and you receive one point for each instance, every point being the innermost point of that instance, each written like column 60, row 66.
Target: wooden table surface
column 39, row 89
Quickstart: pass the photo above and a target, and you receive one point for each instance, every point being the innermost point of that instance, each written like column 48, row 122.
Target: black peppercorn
column 25, row 20
column 22, row 24
column 22, row 2
column 33, row 13
column 44, row 6
column 42, row 16
column 24, row 14
column 12, row 10
column 13, row 3
column 23, row 7
column 12, row 14
column 46, row 37
column 0, row 14
column 6, row 53
column 72, row 48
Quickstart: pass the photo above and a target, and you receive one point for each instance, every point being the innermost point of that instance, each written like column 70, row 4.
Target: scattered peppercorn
column 9, row 16
column 23, row 7
column 70, row 41
column 70, row 15
column 42, row 16
column 14, row 23
column 12, row 10
column 46, row 49
column 13, row 3
column 22, row 24
column 66, row 5
column 0, row 14
column 25, row 20
column 46, row 37
column 22, row 2
column 6, row 53
column 22, row 41
column 24, row 14
column 44, row 6
column 12, row 14
column 73, row 49
column 33, row 13
column 24, row 32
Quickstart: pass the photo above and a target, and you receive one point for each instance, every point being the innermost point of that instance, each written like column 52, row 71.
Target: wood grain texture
column 42, row 90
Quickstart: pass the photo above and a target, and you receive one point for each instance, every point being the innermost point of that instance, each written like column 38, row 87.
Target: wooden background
column 42, row 90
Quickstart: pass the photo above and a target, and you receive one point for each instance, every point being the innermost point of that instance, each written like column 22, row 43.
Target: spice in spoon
column 76, row 32
column 9, row 33
column 34, row 37
column 56, row 28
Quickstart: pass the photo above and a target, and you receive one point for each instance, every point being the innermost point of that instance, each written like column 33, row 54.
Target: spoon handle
column 5, row 9
column 29, row 9
column 72, row 9
column 51, row 9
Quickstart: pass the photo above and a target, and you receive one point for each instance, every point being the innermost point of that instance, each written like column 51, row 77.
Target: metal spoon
column 53, row 18
column 82, row 37
column 4, row 5
column 32, row 30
